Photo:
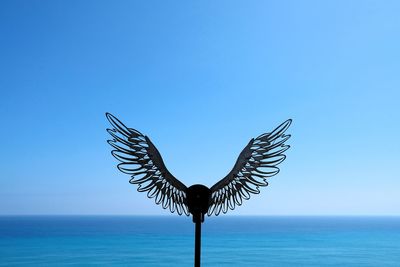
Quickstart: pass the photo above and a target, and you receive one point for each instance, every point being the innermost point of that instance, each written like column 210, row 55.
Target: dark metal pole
column 197, row 244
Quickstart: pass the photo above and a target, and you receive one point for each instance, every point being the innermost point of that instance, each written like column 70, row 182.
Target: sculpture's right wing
column 257, row 162
column 141, row 159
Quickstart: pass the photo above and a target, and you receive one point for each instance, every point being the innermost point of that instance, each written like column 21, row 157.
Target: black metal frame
column 140, row 158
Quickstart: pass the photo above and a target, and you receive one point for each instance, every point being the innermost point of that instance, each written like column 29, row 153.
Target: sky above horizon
column 200, row 79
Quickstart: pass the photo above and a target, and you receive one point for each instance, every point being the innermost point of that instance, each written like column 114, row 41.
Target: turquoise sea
column 227, row 241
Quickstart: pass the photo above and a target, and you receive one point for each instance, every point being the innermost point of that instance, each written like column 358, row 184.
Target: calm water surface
column 168, row 241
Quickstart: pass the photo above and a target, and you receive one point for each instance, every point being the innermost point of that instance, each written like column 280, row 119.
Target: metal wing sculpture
column 257, row 162
column 140, row 158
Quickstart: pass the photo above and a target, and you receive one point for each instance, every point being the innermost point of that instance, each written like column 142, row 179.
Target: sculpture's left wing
column 257, row 162
column 141, row 159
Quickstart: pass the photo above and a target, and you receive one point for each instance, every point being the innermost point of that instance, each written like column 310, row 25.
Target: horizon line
column 228, row 215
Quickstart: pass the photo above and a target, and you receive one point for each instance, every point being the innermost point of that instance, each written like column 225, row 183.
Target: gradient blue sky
column 201, row 79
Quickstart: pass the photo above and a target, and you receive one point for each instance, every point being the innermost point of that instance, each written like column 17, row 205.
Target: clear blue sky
column 200, row 79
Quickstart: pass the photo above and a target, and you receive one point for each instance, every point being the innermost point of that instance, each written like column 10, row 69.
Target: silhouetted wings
column 257, row 162
column 141, row 159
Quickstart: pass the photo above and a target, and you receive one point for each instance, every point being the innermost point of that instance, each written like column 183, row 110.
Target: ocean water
column 227, row 241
